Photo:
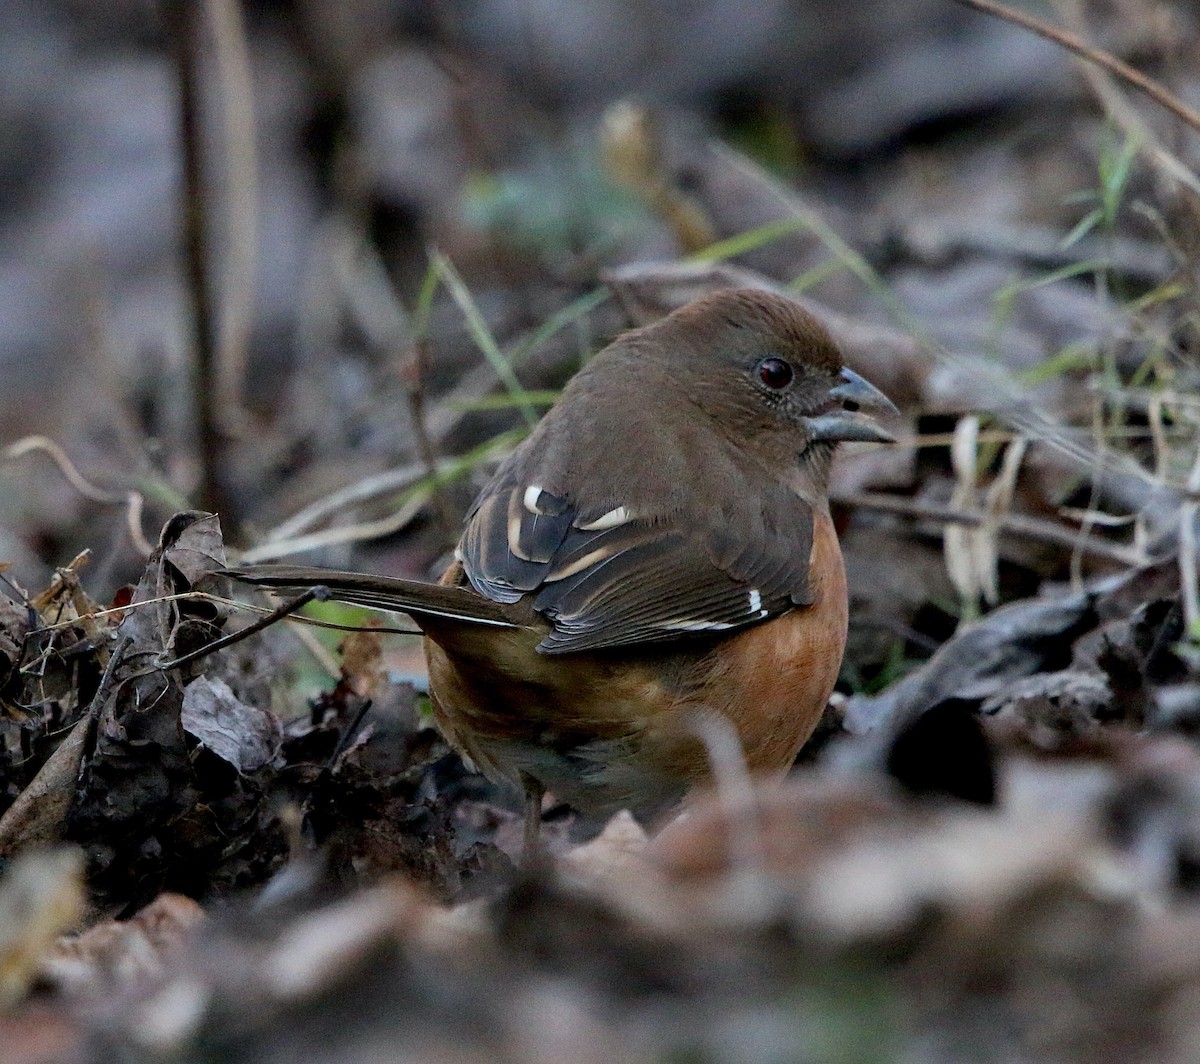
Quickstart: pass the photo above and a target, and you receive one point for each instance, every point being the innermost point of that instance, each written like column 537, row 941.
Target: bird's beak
column 843, row 425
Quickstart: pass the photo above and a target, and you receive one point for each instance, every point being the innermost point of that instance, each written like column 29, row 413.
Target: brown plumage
column 658, row 549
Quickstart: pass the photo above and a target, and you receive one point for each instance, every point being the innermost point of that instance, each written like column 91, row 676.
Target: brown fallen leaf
column 38, row 815
column 362, row 663
column 116, row 954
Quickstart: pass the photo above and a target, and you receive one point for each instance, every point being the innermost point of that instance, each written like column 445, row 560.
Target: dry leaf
column 248, row 737
column 362, row 663
column 116, row 953
column 38, row 814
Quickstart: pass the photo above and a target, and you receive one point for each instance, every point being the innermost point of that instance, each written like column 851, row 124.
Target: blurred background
column 410, row 222
column 537, row 147
column 413, row 220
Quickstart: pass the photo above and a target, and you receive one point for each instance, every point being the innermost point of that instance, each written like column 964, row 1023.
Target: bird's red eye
column 775, row 372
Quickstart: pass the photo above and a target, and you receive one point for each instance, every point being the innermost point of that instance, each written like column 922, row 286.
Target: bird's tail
column 414, row 597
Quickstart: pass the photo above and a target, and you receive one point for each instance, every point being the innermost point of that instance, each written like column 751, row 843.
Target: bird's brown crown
column 767, row 319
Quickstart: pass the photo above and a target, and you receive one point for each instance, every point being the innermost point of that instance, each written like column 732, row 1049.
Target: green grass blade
column 482, row 335
column 505, row 402
column 569, row 314
column 747, row 241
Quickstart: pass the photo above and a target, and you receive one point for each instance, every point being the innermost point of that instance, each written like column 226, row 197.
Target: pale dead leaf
column 199, row 548
column 620, row 847
column 248, row 737
column 39, row 812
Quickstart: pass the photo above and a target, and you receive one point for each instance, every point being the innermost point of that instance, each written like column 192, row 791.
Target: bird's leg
column 531, row 844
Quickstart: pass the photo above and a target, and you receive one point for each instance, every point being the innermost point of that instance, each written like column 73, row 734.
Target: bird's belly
column 567, row 721
column 622, row 729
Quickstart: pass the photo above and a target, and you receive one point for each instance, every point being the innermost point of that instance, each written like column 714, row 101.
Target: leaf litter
column 1007, row 840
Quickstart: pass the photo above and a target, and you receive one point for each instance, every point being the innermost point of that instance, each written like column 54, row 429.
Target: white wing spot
column 685, row 625
column 756, row 603
column 617, row 516
column 591, row 558
column 532, row 494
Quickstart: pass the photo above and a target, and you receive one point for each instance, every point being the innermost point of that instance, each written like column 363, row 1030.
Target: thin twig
column 275, row 548
column 369, row 488
column 362, row 530
column 184, row 27
column 320, row 592
column 1018, row 524
column 219, row 600
column 348, row 734
column 106, row 681
column 1135, row 78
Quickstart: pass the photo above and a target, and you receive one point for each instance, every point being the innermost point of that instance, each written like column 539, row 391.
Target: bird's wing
column 619, row 577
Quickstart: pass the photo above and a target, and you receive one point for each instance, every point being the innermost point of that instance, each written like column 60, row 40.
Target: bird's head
column 765, row 368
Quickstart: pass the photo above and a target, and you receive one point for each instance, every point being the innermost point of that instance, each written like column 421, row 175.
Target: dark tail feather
column 381, row 592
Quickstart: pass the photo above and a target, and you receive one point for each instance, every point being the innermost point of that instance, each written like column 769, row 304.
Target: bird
column 657, row 553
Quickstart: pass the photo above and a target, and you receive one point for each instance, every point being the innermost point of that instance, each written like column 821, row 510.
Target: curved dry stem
column 363, row 530
column 133, row 501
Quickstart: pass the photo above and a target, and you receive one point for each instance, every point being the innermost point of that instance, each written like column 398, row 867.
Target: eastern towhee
column 658, row 549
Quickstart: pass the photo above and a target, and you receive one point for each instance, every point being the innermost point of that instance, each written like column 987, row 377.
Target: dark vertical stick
column 413, row 371
column 184, row 25
column 531, row 844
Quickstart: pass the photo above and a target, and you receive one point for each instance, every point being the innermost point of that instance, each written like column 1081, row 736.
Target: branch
column 1018, row 524
column 1134, row 78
